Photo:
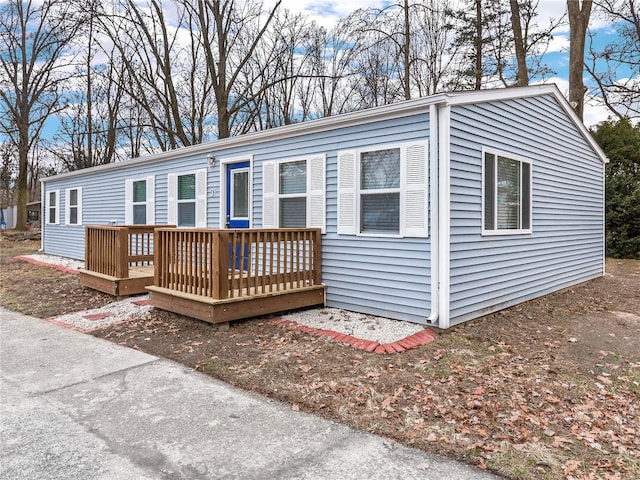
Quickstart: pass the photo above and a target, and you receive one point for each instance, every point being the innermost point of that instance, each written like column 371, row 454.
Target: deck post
column 222, row 264
column 88, row 249
column 317, row 257
column 122, row 252
column 214, row 265
column 157, row 257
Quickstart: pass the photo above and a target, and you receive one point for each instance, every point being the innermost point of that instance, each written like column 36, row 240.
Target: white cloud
column 595, row 112
column 328, row 12
column 559, row 43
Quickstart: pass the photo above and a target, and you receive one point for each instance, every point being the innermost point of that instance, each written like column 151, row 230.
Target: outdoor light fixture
column 211, row 159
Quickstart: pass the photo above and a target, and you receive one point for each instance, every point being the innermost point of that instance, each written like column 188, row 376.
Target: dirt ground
column 545, row 390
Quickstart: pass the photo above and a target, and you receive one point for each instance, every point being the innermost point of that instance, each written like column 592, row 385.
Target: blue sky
column 327, row 12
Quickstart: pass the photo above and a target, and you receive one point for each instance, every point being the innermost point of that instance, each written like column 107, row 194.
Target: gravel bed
column 116, row 311
column 367, row 327
column 56, row 260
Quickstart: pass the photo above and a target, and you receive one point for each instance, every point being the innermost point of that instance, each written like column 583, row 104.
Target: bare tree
column 505, row 45
column 165, row 70
column 435, row 56
column 333, row 61
column 231, row 33
column 34, row 39
column 89, row 126
column 7, row 174
column 535, row 41
column 621, row 94
column 285, row 57
column 476, row 33
column 579, row 13
column 522, row 75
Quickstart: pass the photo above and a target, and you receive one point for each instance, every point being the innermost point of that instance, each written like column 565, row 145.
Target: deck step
column 224, row 310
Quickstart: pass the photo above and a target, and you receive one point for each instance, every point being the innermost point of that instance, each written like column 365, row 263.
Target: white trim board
column 361, row 117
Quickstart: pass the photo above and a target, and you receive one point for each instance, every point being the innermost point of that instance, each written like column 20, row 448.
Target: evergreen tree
column 620, row 141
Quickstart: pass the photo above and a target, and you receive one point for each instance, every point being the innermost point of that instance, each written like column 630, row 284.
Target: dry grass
column 543, row 390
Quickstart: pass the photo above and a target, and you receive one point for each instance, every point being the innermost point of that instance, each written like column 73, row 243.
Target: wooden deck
column 223, row 275
column 118, row 259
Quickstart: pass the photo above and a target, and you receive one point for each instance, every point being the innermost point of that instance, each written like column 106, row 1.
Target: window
column 506, row 195
column 53, row 212
column 73, row 206
column 139, row 201
column 383, row 191
column 240, row 194
column 380, row 191
column 294, row 193
column 187, row 199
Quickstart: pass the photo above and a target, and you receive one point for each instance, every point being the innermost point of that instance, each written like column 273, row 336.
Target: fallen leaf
column 570, row 466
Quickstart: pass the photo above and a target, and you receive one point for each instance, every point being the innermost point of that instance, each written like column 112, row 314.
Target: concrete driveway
column 77, row 407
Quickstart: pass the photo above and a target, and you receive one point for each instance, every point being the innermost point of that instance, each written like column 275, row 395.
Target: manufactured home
column 436, row 210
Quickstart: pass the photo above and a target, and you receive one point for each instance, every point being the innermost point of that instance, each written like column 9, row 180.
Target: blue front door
column 238, row 203
column 238, row 206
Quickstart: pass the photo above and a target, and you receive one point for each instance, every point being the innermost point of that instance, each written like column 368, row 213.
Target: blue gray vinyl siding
column 382, row 276
column 103, row 202
column 488, row 273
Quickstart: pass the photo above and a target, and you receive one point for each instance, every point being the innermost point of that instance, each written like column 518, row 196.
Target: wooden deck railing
column 112, row 249
column 224, row 264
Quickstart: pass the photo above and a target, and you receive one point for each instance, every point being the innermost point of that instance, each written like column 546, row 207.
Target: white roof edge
column 394, row 110
column 478, row 96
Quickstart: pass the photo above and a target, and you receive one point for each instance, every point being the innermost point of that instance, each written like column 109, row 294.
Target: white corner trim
column 444, row 211
column 433, row 212
column 43, row 209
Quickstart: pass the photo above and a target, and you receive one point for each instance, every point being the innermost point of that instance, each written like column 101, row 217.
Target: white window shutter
column 172, row 186
column 79, row 205
column 201, row 198
column 316, row 186
column 67, row 207
column 347, row 191
column 128, row 202
column 58, row 206
column 415, row 189
column 269, row 187
column 151, row 200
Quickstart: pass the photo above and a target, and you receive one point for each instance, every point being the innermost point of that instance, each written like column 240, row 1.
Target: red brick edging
column 50, row 265
column 407, row 343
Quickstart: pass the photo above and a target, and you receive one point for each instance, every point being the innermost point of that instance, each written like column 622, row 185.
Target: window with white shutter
column 139, row 201
column 187, row 199
column 294, row 193
column 382, row 191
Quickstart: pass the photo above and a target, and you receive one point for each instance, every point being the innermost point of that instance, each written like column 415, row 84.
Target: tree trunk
column 522, row 76
column 578, row 24
column 21, row 181
column 478, row 45
column 406, row 53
